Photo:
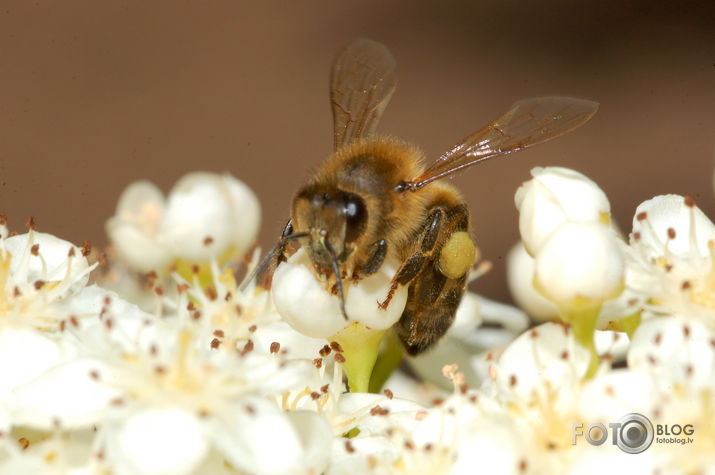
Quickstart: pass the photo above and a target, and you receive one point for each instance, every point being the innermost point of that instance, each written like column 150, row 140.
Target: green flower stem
column 627, row 324
column 388, row 360
column 360, row 348
column 583, row 318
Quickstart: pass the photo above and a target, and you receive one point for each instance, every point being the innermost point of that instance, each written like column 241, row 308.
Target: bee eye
column 355, row 216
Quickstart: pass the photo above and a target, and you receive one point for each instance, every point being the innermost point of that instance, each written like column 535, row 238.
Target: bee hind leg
column 415, row 263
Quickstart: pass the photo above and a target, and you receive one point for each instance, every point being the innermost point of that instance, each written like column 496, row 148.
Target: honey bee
column 373, row 198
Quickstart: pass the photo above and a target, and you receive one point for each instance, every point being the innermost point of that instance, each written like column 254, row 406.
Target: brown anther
column 428, row 447
column 375, row 410
column 94, row 374
column 651, row 359
column 62, row 325
column 339, row 358
column 86, row 248
column 637, row 236
column 671, row 233
column 211, row 293
column 689, row 201
column 218, row 333
column 689, row 369
column 658, row 338
column 712, row 342
column 275, row 347
column 668, row 267
column 38, row 284
column 250, row 410
column 158, row 369
column 181, row 288
column 247, row 348
column 564, row 355
column 324, row 351
column 512, row 380
column 16, row 291
column 208, row 240
column 324, row 388
column 153, row 350
column 73, row 321
column 204, row 413
column 24, row 443
column 463, row 388
column 550, row 445
column 388, row 394
column 437, row 402
column 109, row 323
column 685, row 285
column 100, row 455
column 158, row 290
column 239, row 309
column 3, row 219
column 190, row 306
column 534, row 334
column 31, row 223
column 314, row 395
column 523, row 465
column 215, row 343
column 227, row 297
column 252, row 328
column 117, row 401
column 686, row 331
column 35, row 250
column 335, row 346
column 473, row 398
column 349, row 447
column 195, row 269
column 489, row 357
column 607, row 357
column 641, row 216
column 409, row 445
column 318, row 362
column 196, row 315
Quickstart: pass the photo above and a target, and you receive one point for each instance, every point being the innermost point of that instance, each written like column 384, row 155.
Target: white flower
column 580, row 262
column 520, row 277
column 555, row 196
column 206, row 216
column 671, row 261
column 305, row 304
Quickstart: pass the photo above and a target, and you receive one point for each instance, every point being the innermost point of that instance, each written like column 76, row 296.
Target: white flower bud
column 305, row 304
column 134, row 226
column 580, row 262
column 520, row 277
column 556, row 195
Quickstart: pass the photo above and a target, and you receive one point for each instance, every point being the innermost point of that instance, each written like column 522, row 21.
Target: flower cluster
column 162, row 360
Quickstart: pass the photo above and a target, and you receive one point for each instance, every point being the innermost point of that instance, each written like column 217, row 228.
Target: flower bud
column 553, row 196
column 580, row 263
column 310, row 309
column 520, row 277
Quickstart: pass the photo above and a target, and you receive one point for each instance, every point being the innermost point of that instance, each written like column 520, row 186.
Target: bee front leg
column 377, row 257
column 264, row 272
column 415, row 263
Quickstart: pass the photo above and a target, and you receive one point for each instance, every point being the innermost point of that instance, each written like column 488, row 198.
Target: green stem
column 388, row 360
column 583, row 320
column 360, row 347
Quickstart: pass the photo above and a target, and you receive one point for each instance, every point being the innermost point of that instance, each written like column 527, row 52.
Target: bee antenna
column 266, row 261
column 338, row 280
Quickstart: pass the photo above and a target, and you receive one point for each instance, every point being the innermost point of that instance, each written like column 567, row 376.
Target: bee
column 373, row 198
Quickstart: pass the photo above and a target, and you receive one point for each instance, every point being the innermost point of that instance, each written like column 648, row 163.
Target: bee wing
column 528, row 122
column 361, row 84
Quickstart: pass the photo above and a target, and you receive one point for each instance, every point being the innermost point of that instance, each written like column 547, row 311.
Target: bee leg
column 376, row 258
column 435, row 294
column 264, row 271
column 414, row 264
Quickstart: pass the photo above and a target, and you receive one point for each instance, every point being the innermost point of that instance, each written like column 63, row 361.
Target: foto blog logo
column 633, row 434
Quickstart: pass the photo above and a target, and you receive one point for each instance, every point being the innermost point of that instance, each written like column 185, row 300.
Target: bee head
column 335, row 220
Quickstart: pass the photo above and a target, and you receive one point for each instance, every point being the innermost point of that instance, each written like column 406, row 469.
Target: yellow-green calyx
column 360, row 347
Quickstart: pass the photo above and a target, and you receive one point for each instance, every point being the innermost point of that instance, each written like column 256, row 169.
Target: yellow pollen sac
column 457, row 255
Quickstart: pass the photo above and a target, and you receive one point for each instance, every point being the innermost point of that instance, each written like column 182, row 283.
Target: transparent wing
column 361, row 84
column 528, row 122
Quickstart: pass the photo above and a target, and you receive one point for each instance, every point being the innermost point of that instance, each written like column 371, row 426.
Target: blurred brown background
column 94, row 95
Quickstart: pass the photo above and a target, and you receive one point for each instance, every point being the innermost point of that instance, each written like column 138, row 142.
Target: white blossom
column 555, row 196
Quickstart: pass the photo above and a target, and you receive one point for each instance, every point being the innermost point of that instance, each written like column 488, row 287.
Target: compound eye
column 355, row 216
